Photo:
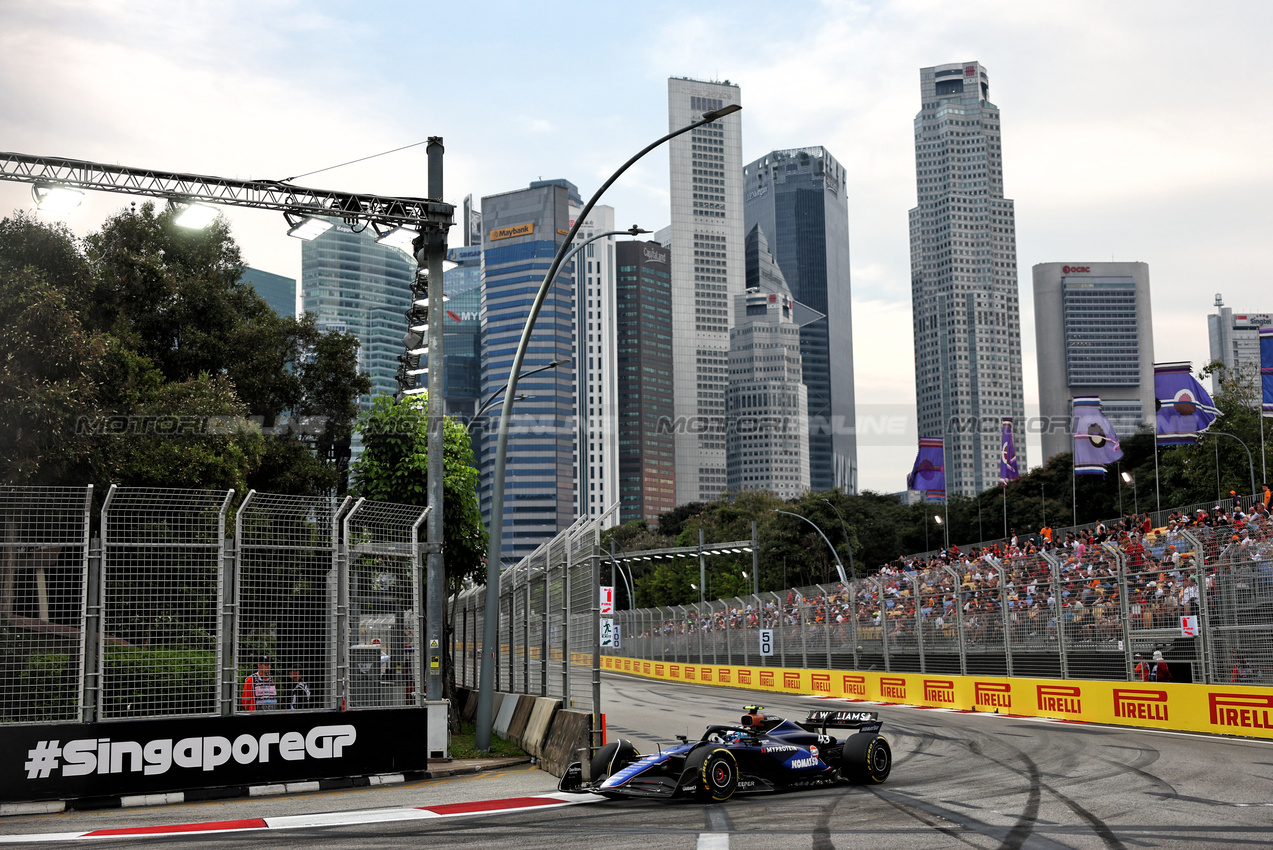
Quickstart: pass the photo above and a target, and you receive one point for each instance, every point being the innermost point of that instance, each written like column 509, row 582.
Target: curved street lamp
column 490, row 632
column 852, row 569
column 1250, row 460
column 838, row 565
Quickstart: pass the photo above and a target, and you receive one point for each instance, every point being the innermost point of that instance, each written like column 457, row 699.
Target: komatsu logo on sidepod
column 811, row 761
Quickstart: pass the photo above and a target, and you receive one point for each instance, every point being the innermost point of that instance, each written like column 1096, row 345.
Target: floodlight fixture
column 424, row 349
column 193, row 216
column 1127, row 478
column 400, row 237
column 423, row 371
column 307, row 227
column 416, row 391
column 55, row 199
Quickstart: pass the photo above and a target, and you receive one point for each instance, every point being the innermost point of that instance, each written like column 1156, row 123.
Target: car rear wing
column 863, row 721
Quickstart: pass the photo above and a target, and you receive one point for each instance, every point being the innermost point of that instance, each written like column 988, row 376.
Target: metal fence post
column 1205, row 650
column 852, row 620
column 565, row 626
column 90, row 657
column 959, row 620
column 919, row 623
column 1124, row 608
column 595, row 741
column 1058, row 610
column 879, row 589
column 1007, row 621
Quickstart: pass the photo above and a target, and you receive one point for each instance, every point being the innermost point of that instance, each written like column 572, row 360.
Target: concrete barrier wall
column 521, row 716
column 541, row 718
column 1217, row 709
column 504, row 716
column 470, row 707
column 570, row 730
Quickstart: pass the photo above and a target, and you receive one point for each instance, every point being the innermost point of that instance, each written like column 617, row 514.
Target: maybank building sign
column 513, row 230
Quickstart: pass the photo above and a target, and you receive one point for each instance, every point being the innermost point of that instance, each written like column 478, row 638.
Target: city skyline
column 1095, row 154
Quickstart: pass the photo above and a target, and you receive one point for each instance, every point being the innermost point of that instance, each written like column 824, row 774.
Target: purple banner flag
column 1095, row 443
column 1008, row 455
column 929, row 474
column 1184, row 407
column 1266, row 369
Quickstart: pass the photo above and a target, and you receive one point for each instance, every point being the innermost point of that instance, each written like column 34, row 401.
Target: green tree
column 146, row 324
column 393, row 468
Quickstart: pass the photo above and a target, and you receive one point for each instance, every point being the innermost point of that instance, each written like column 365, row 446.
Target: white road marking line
column 713, row 841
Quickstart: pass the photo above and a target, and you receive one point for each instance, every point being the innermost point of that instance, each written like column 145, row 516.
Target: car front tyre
column 866, row 760
column 715, row 772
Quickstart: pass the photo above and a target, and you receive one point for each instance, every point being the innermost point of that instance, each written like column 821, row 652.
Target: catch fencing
column 1051, row 614
column 164, row 613
column 549, row 634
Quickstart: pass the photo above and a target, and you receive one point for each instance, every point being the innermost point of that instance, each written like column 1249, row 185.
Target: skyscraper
column 521, row 234
column 966, row 317
column 1235, row 341
column 462, row 332
column 707, row 274
column 352, row 284
column 1093, row 324
column 766, row 404
column 799, row 200
column 647, row 469
column 278, row 291
column 598, row 488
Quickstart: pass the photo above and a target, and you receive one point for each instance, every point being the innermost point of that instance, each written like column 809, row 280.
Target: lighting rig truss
column 419, row 214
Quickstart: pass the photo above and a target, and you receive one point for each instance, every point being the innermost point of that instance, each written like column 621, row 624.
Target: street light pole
column 852, row 569
column 844, row 580
column 490, row 634
column 1249, row 459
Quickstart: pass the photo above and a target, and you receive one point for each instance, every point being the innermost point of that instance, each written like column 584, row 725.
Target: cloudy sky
column 1132, row 131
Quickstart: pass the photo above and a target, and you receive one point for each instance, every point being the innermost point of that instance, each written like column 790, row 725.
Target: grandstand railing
column 1052, row 613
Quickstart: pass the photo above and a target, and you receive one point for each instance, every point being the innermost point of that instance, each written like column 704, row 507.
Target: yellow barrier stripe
column 1216, row 709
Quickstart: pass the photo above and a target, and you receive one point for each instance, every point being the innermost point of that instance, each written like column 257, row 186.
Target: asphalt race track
column 959, row 780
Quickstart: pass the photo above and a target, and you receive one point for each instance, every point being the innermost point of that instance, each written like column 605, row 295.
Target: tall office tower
column 1235, row 341
column 350, row 283
column 798, row 198
column 278, row 291
column 472, row 223
column 462, row 332
column 647, row 453
column 767, row 403
column 966, row 320
column 707, row 274
column 522, row 231
column 1093, row 324
column 598, row 487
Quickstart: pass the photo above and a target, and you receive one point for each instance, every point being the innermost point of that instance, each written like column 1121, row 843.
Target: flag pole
column 1157, row 490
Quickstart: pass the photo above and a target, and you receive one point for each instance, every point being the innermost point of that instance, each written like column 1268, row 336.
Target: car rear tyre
column 867, row 759
column 612, row 758
column 715, row 774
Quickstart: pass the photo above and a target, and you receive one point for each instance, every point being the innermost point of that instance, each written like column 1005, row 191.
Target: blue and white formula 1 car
column 764, row 753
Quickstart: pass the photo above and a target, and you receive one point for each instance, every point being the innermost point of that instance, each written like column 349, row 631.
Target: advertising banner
column 1220, row 709
column 70, row 761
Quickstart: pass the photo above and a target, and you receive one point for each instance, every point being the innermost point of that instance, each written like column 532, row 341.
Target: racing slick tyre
column 612, row 758
column 866, row 759
column 715, row 774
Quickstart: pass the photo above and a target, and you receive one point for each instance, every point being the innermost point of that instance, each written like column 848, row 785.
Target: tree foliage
column 138, row 356
column 393, row 467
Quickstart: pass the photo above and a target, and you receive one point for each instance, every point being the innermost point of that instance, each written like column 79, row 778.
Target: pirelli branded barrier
column 1221, row 709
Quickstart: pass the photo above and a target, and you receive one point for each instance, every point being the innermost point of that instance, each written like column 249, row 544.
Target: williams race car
column 764, row 753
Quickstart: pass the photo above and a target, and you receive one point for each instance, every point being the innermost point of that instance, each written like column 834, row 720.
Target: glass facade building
column 278, row 291
column 964, row 293
column 1094, row 334
column 798, row 199
column 521, row 233
column 707, row 275
column 462, row 333
column 354, row 285
column 647, row 452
